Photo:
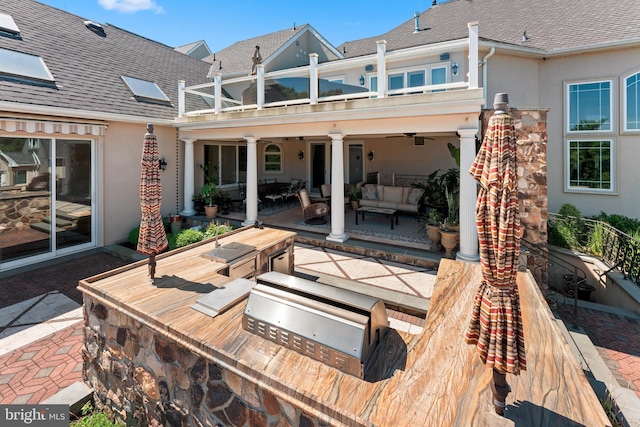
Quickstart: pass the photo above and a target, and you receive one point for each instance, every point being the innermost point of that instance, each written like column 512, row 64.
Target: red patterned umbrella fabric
column 496, row 322
column 152, row 239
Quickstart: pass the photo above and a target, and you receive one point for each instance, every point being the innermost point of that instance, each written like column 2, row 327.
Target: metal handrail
column 578, row 273
column 616, row 249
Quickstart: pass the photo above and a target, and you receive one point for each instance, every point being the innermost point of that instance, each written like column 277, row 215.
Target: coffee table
column 380, row 211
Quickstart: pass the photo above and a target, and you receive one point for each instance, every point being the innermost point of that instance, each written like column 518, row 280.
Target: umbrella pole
column 500, row 389
column 152, row 265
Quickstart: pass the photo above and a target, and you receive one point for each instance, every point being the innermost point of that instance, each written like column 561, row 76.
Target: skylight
column 7, row 24
column 24, row 65
column 145, row 89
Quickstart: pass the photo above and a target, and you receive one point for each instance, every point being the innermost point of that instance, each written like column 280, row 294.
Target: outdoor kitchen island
column 151, row 357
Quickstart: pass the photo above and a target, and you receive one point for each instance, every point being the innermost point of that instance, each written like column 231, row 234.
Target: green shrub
column 93, row 419
column 171, row 238
column 217, row 229
column 133, row 236
column 621, row 222
column 187, row 237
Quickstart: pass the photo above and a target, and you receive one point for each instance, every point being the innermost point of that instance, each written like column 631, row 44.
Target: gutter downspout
column 484, row 75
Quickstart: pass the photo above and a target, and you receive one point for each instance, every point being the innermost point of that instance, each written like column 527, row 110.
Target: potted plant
column 209, row 192
column 449, row 236
column 354, row 194
column 433, row 226
column 198, row 202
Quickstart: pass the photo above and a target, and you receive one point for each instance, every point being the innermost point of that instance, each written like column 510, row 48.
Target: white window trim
column 264, row 163
column 567, row 167
column 623, row 97
column 424, row 68
column 567, row 111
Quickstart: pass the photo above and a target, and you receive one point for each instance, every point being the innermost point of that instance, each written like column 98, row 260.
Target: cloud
column 130, row 6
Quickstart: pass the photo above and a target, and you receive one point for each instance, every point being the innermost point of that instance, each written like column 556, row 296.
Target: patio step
column 60, row 222
column 45, row 227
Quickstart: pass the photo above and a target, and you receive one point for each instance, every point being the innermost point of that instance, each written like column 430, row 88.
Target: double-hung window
column 589, row 146
column 631, row 94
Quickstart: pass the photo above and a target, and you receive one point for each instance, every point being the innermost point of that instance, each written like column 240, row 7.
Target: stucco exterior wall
column 555, row 72
column 119, row 172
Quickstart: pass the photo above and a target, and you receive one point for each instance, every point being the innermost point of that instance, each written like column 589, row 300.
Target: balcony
column 314, row 88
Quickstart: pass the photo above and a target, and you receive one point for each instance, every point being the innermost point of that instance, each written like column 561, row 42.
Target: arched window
column 632, row 102
column 272, row 158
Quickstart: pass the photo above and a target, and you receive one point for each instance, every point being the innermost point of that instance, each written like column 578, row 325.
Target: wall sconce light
column 162, row 164
column 361, row 80
column 370, row 155
column 454, row 69
column 301, row 155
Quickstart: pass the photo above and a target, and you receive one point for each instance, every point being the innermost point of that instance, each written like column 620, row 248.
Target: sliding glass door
column 46, row 190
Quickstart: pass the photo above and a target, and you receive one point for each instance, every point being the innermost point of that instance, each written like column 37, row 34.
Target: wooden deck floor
column 430, row 379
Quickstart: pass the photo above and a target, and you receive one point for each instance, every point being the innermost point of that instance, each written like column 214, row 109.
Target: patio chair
column 294, row 187
column 313, row 213
column 325, row 193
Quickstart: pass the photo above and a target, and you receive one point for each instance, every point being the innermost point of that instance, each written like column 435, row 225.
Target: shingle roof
column 87, row 67
column 237, row 57
column 549, row 24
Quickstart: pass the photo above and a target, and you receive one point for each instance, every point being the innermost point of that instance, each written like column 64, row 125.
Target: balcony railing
column 212, row 94
column 617, row 249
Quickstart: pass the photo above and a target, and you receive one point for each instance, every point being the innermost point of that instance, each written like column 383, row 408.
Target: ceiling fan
column 409, row 135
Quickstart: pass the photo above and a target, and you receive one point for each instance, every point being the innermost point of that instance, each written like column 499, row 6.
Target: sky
column 222, row 23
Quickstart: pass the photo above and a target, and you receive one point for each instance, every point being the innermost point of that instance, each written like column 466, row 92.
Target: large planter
column 175, row 222
column 211, row 211
column 433, row 233
column 449, row 240
column 354, row 205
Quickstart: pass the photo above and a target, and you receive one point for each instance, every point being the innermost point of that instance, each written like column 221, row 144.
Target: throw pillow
column 414, row 196
column 370, row 192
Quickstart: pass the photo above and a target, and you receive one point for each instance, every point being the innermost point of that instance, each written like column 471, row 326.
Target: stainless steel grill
column 335, row 326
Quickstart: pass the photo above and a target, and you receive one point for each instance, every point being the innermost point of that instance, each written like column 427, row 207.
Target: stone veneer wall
column 143, row 377
column 531, row 129
column 18, row 212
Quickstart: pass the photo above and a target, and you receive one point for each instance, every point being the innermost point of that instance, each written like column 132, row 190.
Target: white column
column 252, row 179
column 188, row 178
column 382, row 68
column 473, row 55
column 337, row 189
column 313, row 78
column 468, row 194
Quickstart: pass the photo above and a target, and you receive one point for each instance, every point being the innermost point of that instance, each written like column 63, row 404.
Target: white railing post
column 260, row 87
column 473, row 55
column 313, row 78
column 181, row 98
column 217, row 93
column 382, row 68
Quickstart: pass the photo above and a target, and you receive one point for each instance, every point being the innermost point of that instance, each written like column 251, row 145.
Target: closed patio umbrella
column 152, row 239
column 496, row 322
